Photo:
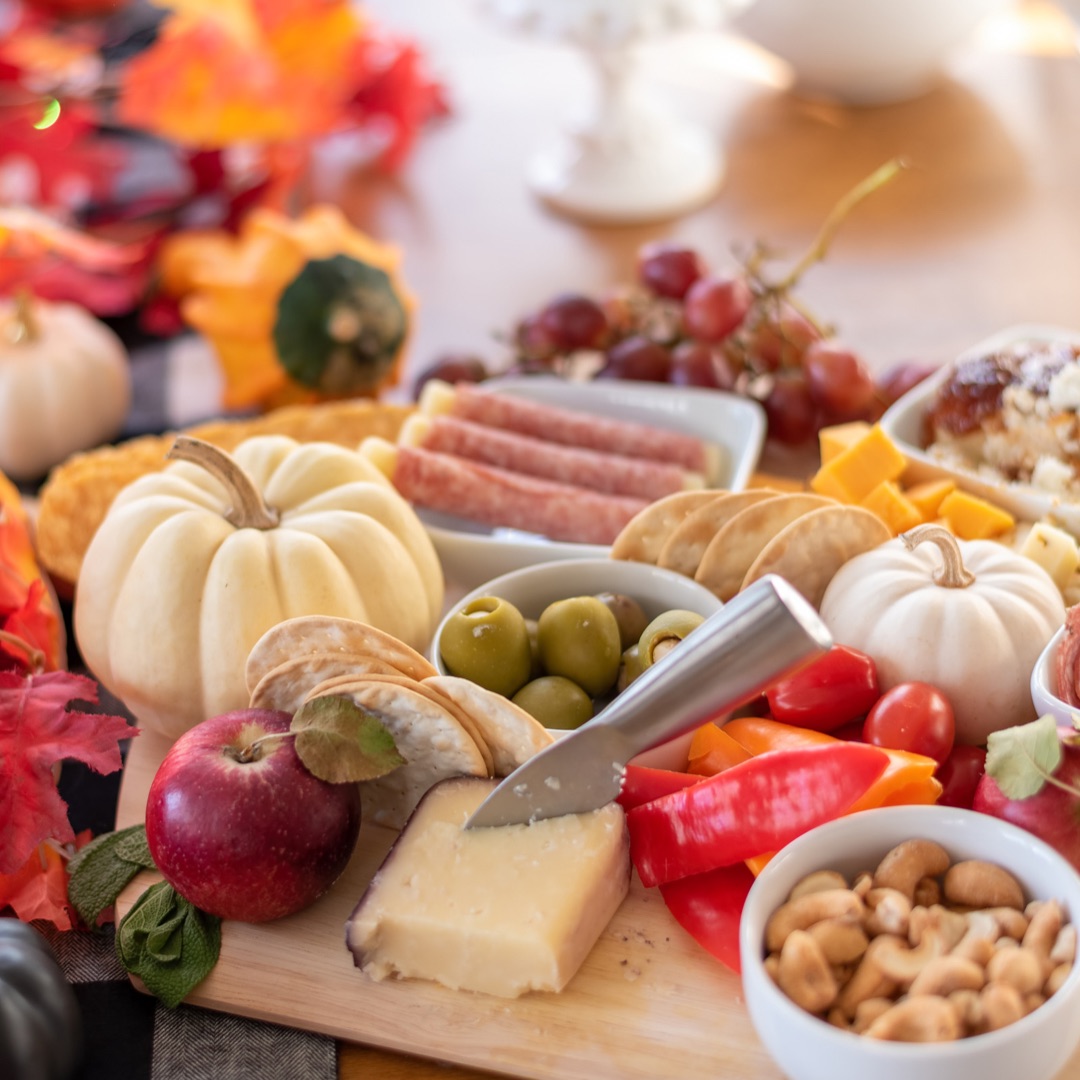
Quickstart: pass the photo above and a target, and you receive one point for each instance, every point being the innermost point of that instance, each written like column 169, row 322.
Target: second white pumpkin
column 173, row 594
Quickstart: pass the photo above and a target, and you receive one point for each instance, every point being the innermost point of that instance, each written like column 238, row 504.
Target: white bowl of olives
column 561, row 639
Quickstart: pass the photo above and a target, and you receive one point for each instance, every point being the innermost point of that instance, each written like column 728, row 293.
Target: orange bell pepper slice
column 712, row 750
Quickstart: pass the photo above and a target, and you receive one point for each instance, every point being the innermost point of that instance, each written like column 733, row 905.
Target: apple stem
column 253, row 750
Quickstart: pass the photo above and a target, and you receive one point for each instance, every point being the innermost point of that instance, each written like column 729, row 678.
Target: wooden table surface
column 982, row 232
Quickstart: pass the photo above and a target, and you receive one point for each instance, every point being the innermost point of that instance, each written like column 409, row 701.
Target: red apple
column 249, row 840
column 1052, row 815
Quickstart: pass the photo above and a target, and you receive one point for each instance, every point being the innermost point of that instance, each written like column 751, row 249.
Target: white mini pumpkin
column 969, row 617
column 192, row 565
column 65, row 385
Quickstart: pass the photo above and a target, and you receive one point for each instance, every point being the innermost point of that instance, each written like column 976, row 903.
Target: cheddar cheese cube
column 856, row 471
column 972, row 518
column 833, row 441
column 929, row 495
column 893, row 507
column 1054, row 550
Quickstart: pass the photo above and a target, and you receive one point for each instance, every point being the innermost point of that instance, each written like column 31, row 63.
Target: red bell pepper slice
column 757, row 806
column 839, row 686
column 709, row 906
column 642, row 784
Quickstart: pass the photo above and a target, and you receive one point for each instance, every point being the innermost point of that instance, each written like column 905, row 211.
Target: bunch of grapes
column 684, row 324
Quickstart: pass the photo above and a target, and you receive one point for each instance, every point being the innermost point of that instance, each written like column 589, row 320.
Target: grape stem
column 820, row 247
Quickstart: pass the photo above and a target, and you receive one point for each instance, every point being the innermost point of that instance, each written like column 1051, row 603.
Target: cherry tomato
column 836, row 688
column 912, row 716
column 960, row 774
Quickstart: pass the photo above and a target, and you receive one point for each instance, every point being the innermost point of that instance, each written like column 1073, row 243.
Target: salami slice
column 611, row 473
column 1068, row 659
column 493, row 496
column 573, row 428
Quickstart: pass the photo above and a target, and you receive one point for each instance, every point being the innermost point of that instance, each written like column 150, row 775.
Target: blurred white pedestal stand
column 632, row 160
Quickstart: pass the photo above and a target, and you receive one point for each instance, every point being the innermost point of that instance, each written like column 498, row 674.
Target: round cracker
column 463, row 716
column 427, row 735
column 732, row 551
column 684, row 548
column 646, row 532
column 810, row 550
column 286, row 686
column 306, row 634
column 513, row 734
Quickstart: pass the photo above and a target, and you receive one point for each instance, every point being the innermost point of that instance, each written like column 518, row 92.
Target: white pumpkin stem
column 23, row 327
column 247, row 509
column 953, row 573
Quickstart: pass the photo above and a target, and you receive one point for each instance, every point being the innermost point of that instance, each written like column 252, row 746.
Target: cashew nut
column 807, row 910
column 1013, row 923
column 1064, row 949
column 890, row 912
column 1056, row 979
column 868, row 981
column 944, row 974
column 899, row 962
column 818, row 881
column 927, row 892
column 866, row 1012
column 951, row 925
column 908, row 863
column 804, row 973
column 1043, row 928
column 842, row 940
column 976, row 883
column 1001, row 1005
column 1019, row 968
column 929, row 1019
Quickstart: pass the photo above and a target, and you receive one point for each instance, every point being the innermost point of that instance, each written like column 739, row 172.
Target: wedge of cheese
column 501, row 911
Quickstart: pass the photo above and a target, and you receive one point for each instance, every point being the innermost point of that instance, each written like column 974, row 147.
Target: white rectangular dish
column 903, row 423
column 735, row 425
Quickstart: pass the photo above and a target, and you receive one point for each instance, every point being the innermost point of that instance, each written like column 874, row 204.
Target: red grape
column 572, row 321
column 452, row 368
column 901, row 378
column 668, row 269
column 715, row 306
column 533, row 340
column 791, row 411
column 838, row 380
column 693, row 363
column 637, row 358
column 777, row 343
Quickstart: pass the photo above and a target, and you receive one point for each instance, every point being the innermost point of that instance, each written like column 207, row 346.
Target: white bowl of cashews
column 929, row 968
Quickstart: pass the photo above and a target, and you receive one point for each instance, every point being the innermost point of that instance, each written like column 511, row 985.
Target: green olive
column 556, row 702
column 665, row 632
column 629, row 614
column 579, row 638
column 487, row 642
column 629, row 668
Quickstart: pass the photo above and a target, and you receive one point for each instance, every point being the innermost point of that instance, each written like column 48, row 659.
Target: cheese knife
column 766, row 631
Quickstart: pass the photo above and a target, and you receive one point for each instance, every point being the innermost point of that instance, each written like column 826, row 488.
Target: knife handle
column 762, row 633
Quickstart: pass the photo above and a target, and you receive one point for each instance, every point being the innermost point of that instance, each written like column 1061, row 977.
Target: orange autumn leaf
column 244, row 70
column 39, row 888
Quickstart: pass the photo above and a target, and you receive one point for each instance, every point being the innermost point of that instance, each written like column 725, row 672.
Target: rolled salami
column 498, row 497
column 611, row 473
column 567, row 426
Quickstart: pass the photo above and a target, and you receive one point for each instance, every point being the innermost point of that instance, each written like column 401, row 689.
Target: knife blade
column 765, row 631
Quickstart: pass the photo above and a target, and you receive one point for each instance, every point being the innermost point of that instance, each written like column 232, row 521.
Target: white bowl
column 532, row 588
column 903, row 423
column 863, row 52
column 472, row 553
column 1044, row 689
column 808, row 1048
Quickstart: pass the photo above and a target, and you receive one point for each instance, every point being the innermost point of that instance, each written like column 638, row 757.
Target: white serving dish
column 531, row 588
column 1044, row 689
column 808, row 1048
column 472, row 553
column 903, row 423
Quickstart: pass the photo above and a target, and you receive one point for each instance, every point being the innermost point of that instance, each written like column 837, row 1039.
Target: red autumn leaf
column 37, row 730
column 39, row 888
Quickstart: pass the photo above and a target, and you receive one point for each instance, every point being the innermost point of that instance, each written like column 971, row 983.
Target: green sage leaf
column 168, row 943
column 1021, row 759
column 341, row 743
column 101, row 870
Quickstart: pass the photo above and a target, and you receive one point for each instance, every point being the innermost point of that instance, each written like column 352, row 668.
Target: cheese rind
column 502, row 911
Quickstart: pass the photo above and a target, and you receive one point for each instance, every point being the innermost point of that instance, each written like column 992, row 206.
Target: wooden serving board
column 646, row 998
